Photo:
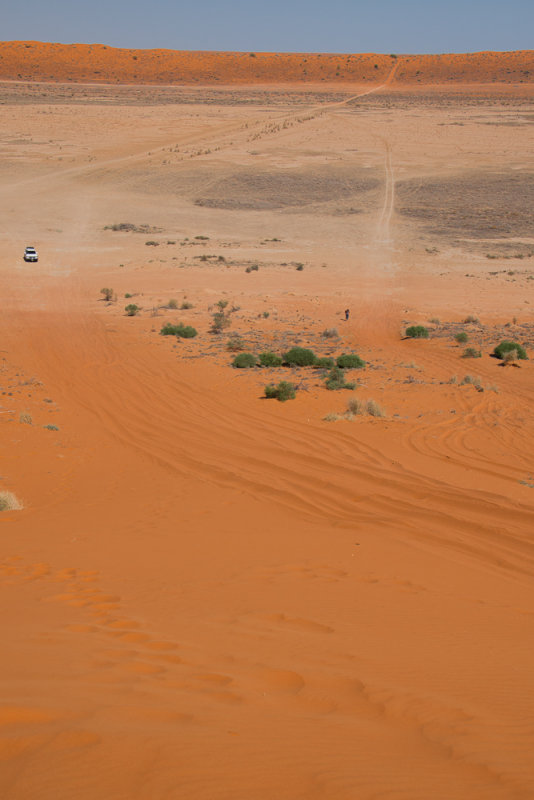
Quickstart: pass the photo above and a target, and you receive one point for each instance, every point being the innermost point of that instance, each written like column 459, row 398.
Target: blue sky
column 382, row 26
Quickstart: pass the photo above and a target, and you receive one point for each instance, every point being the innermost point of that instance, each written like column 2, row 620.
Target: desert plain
column 211, row 595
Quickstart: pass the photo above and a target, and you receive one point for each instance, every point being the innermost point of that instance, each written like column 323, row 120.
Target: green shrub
column 462, row 337
column 299, row 357
column 183, row 331
column 270, row 360
column 51, row 427
column 336, row 380
column 152, row 243
column 244, row 361
column 252, row 268
column 186, row 331
column 131, row 309
column 324, row 363
column 172, row 304
column 471, row 352
column 506, row 347
column 186, row 305
column 417, row 332
column 283, row 391
column 108, row 294
column 350, row 361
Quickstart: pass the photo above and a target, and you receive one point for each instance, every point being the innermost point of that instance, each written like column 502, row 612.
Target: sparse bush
column 471, row 380
column 127, row 295
column 107, row 293
column 219, row 322
column 324, row 363
column 152, row 243
column 9, row 502
column 172, row 304
column 373, row 409
column 330, row 333
column 131, row 309
column 252, row 268
column 461, row 337
column 270, row 360
column 471, row 352
column 185, row 306
column 299, row 267
column 244, row 361
column 350, row 361
column 507, row 347
column 221, row 304
column 25, row 417
column 266, row 315
column 354, row 406
column 235, row 344
column 299, row 357
column 471, row 320
column 283, row 391
column 434, row 321
column 51, row 427
column 417, row 332
column 336, row 380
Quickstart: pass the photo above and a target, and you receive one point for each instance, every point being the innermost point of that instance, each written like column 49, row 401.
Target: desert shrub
column 350, row 361
column 219, row 322
column 324, row 363
column 354, row 406
column 183, row 331
column 299, row 267
column 131, row 309
column 417, row 332
column 202, row 238
column 471, row 320
column 507, row 347
column 299, row 357
column 244, row 361
column 373, row 409
column 186, row 332
column 152, row 243
column 107, row 293
column 235, row 344
column 461, row 337
column 434, row 321
column 330, row 333
column 471, row 380
column 270, row 360
column 172, row 304
column 186, row 305
column 282, row 391
column 266, row 315
column 471, row 352
column 51, row 427
column 127, row 295
column 8, row 502
column 336, row 380
column 25, row 417
column 252, row 268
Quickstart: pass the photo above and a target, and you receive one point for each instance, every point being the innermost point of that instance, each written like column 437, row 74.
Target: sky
column 336, row 26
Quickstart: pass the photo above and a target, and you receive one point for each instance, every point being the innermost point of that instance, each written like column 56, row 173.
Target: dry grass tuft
column 9, row 502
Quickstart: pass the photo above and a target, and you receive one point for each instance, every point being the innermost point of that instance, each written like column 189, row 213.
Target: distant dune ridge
column 97, row 63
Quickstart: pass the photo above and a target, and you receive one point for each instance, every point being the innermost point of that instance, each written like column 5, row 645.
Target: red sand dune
column 38, row 61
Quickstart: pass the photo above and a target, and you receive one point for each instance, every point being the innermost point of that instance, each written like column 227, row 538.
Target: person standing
column 347, row 313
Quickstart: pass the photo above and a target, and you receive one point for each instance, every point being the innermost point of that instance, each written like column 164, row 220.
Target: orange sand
column 97, row 63
column 213, row 596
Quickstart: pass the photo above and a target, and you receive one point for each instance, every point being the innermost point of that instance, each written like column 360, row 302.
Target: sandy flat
column 214, row 596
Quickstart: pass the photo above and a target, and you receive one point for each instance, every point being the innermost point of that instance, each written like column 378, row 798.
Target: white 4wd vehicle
column 30, row 254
